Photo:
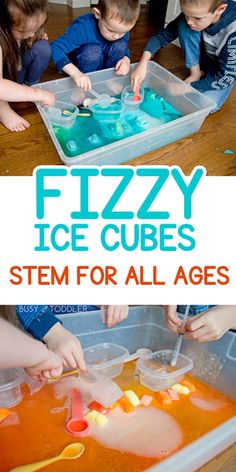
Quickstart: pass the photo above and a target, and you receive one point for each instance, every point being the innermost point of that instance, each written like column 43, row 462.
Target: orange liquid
column 41, row 434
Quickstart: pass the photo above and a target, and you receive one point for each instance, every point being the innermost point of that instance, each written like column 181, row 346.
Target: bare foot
column 194, row 76
column 11, row 120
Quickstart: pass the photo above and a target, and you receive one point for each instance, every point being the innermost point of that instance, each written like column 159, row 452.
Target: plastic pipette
column 179, row 340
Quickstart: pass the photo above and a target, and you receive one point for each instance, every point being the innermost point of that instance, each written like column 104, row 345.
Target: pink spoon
column 77, row 425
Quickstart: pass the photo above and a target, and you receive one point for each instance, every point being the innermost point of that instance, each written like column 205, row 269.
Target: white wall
column 72, row 3
column 82, row 3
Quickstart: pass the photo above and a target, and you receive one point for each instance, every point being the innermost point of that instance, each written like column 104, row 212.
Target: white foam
column 148, row 432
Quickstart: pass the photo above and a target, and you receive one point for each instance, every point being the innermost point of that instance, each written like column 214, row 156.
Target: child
column 24, row 55
column 42, row 323
column 97, row 41
column 210, row 322
column 207, row 34
column 19, row 350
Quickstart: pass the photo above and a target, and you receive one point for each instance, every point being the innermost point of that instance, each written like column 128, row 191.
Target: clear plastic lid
column 102, row 356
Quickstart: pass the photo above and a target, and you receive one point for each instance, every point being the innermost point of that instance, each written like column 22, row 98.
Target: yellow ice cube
column 97, row 418
column 181, row 389
column 132, row 397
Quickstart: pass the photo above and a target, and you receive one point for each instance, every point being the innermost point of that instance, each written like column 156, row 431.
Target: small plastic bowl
column 127, row 98
column 10, row 387
column 107, row 115
column 62, row 114
column 156, row 373
column 106, row 359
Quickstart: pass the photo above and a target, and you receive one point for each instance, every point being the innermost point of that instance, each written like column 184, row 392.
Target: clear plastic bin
column 106, row 359
column 62, row 114
column 214, row 363
column 10, row 387
column 156, row 373
column 192, row 105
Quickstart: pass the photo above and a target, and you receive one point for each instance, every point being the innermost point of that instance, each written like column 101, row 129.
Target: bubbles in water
column 147, row 432
column 206, row 403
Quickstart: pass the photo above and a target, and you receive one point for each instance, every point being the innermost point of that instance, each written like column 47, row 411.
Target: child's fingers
column 79, row 357
column 171, row 315
column 71, row 360
column 196, row 322
column 198, row 333
column 118, row 65
column 110, row 316
column 173, row 327
column 66, row 364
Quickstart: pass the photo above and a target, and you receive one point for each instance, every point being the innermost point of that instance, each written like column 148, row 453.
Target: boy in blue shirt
column 41, row 321
column 205, row 322
column 96, row 41
column 207, row 33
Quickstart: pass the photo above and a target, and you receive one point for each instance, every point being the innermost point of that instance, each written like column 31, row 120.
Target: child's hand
column 66, row 345
column 172, row 320
column 212, row 324
column 82, row 81
column 46, row 97
column 44, row 36
column 51, row 367
column 138, row 75
column 114, row 314
column 123, row 66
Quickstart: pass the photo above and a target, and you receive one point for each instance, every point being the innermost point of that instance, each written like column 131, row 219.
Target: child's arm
column 114, row 314
column 212, row 324
column 44, row 325
column 156, row 42
column 12, row 92
column 80, row 79
column 66, row 345
column 75, row 35
column 17, row 349
column 122, row 67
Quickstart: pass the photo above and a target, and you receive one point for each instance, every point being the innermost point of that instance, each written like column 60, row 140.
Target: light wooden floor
column 21, row 152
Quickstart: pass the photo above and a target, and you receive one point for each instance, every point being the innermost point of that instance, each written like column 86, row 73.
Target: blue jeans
column 34, row 63
column 91, row 57
column 190, row 42
column 194, row 53
column 219, row 96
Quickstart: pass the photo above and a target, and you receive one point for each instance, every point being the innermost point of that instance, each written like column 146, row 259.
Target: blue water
column 88, row 134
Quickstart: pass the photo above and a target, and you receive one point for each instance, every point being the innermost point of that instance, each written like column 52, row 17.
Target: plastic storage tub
column 192, row 105
column 10, row 387
column 214, row 364
column 105, row 359
column 156, row 373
